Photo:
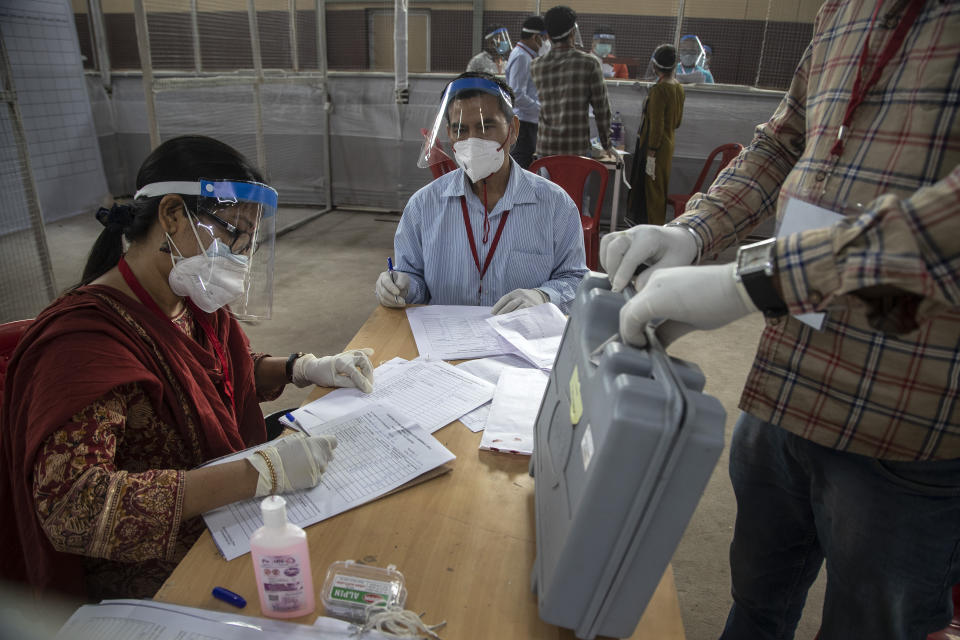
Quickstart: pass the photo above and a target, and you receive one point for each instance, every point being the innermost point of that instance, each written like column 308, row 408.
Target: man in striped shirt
column 848, row 447
column 526, row 105
column 568, row 83
column 489, row 233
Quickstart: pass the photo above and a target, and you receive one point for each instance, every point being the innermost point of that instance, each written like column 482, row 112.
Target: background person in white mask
column 125, row 384
column 533, row 42
column 488, row 233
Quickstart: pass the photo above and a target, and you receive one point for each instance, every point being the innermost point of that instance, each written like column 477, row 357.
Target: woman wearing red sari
column 128, row 382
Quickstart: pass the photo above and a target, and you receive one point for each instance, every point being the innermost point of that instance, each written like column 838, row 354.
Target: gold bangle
column 273, row 471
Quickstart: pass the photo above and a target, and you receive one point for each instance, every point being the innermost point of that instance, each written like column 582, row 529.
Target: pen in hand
column 390, row 269
column 293, row 422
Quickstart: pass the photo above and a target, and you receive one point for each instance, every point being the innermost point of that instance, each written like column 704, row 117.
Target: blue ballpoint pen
column 294, row 422
column 390, row 269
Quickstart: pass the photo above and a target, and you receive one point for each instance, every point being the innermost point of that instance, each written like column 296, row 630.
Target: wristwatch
column 293, row 358
column 755, row 269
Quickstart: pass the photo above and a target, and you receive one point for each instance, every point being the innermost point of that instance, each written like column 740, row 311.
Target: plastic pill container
column 351, row 589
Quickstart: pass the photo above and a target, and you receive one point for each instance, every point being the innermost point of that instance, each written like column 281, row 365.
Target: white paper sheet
column 376, row 453
column 488, row 369
column 514, row 411
column 433, row 394
column 800, row 216
column 535, row 332
column 453, row 332
column 147, row 619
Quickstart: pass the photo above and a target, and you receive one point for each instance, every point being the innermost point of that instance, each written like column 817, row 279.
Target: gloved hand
column 687, row 298
column 651, row 167
column 622, row 252
column 295, row 462
column 347, row 369
column 519, row 299
column 392, row 288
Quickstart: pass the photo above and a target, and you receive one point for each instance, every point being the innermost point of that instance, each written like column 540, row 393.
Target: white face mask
column 478, row 157
column 545, row 47
column 211, row 279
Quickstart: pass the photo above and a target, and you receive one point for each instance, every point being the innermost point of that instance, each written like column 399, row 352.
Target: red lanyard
column 527, row 50
column 473, row 244
column 149, row 302
column 860, row 87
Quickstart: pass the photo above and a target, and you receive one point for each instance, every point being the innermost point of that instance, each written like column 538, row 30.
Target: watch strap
column 755, row 271
column 293, row 358
column 760, row 288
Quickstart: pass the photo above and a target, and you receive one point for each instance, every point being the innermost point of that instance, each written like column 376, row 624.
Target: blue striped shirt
column 526, row 104
column 541, row 245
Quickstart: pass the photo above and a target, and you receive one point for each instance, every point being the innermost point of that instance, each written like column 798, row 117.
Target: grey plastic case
column 615, row 486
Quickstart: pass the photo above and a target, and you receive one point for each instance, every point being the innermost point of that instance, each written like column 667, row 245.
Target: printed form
column 376, row 453
column 455, row 332
column 534, row 332
column 488, row 369
column 513, row 414
column 431, row 393
column 150, row 620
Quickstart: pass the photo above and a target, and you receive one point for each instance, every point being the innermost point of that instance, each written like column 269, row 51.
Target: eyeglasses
column 240, row 239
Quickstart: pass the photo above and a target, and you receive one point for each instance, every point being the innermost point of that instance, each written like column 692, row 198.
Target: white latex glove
column 622, row 252
column 687, row 298
column 651, row 167
column 297, row 462
column 519, row 299
column 392, row 288
column 347, row 369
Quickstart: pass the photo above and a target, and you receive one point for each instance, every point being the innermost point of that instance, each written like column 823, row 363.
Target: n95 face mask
column 211, row 279
column 478, row 157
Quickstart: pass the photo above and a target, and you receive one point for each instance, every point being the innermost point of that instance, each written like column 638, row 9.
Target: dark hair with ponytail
column 188, row 159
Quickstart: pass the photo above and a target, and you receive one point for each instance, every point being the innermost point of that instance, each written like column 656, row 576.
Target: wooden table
column 464, row 541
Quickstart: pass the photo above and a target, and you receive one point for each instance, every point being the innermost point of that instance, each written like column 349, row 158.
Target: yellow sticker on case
column 576, row 404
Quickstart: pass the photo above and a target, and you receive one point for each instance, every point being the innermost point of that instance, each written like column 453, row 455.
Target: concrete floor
column 325, row 272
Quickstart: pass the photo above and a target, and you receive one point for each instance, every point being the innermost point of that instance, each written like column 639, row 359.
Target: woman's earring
column 165, row 247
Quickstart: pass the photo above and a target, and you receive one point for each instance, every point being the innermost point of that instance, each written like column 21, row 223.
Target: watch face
column 756, row 258
column 753, row 260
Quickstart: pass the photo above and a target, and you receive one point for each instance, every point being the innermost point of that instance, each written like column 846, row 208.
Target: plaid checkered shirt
column 849, row 386
column 568, row 82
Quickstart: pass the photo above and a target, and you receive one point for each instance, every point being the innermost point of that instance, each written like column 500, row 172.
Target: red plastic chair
column 571, row 173
column 10, row 334
column 727, row 152
column 440, row 162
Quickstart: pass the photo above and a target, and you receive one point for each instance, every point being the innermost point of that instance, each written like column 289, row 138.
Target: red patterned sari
column 106, row 406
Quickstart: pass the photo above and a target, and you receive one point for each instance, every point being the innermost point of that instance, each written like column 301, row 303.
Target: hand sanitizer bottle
column 281, row 563
column 616, row 132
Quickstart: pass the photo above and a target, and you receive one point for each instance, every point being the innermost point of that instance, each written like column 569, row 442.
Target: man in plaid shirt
column 848, row 447
column 568, row 83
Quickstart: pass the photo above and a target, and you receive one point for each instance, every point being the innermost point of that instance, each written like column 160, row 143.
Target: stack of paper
column 513, row 413
column 450, row 332
column 376, row 453
column 455, row 332
column 488, row 369
column 383, row 442
column 535, row 332
column 126, row 619
column 430, row 393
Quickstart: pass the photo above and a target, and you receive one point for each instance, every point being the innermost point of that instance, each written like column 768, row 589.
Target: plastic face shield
column 469, row 108
column 603, row 44
column 498, row 41
column 690, row 53
column 242, row 216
